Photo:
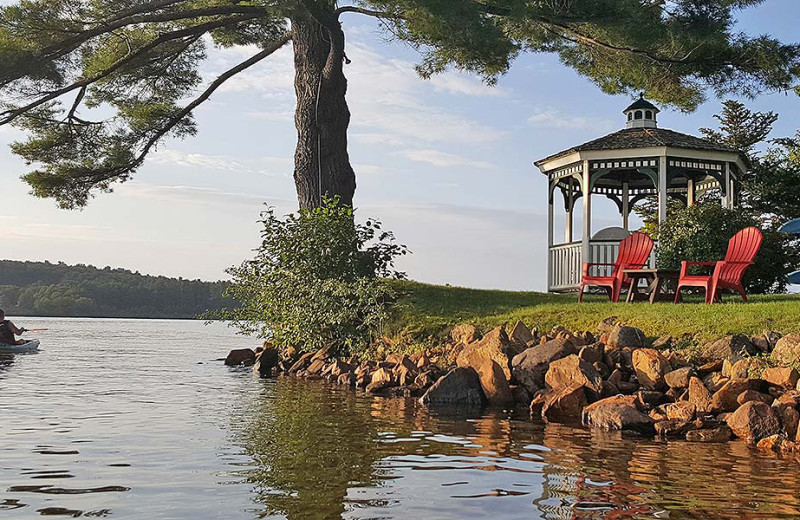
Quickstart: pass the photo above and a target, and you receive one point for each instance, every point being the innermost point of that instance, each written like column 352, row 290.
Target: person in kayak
column 8, row 331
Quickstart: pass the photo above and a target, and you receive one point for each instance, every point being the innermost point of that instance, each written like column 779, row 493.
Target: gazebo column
column 727, row 200
column 690, row 193
column 626, row 211
column 662, row 189
column 570, row 206
column 550, row 198
column 587, row 214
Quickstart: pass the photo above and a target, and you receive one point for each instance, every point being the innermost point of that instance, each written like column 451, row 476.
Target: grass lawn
column 431, row 310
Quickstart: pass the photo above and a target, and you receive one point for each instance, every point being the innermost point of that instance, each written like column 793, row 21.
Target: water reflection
column 322, row 452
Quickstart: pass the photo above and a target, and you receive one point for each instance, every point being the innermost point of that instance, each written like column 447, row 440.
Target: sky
column 447, row 164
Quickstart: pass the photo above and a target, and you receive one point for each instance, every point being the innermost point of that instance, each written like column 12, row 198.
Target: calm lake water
column 135, row 419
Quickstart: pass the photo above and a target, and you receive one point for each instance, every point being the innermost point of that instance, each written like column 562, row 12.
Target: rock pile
column 616, row 380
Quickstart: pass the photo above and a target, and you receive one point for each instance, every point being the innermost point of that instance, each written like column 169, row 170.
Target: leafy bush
column 701, row 232
column 318, row 279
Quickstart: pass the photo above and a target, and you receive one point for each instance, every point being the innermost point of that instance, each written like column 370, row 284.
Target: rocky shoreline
column 613, row 378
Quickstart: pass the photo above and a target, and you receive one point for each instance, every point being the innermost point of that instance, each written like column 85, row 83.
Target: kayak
column 32, row 345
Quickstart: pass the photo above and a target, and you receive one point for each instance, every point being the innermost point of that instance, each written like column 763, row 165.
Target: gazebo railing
column 566, row 263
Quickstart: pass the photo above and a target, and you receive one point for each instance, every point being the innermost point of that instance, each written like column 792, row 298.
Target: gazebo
column 628, row 166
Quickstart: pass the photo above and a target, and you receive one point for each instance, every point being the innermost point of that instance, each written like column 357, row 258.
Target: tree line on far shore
column 58, row 289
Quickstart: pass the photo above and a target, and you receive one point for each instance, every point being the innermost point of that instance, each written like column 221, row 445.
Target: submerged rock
column 240, row 356
column 565, row 405
column 494, row 383
column 266, row 360
column 459, row 387
column 719, row 434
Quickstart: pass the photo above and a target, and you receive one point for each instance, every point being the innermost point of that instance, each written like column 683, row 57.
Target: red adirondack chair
column 633, row 254
column 742, row 249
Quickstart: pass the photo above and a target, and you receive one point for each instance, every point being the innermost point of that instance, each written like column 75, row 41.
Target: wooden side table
column 655, row 287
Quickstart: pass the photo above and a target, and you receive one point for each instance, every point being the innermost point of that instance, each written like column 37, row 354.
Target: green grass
column 430, row 311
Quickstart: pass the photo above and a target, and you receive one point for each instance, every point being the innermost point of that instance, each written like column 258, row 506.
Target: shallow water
column 135, row 419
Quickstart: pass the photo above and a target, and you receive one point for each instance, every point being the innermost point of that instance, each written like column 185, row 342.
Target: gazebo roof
column 641, row 104
column 629, row 138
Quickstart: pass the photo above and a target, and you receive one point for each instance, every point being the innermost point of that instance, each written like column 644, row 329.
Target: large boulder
column 753, row 421
column 623, row 336
column 787, row 349
column 494, row 346
column 565, row 405
column 494, row 383
column 732, row 347
column 240, row 356
column 618, row 413
column 572, row 370
column 679, row 378
column 784, row 377
column 459, row 387
column 650, row 367
column 530, row 366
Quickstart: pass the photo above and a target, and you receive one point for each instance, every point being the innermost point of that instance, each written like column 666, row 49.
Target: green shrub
column 318, row 279
column 701, row 232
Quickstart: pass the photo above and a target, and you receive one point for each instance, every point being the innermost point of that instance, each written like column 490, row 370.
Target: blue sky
column 446, row 164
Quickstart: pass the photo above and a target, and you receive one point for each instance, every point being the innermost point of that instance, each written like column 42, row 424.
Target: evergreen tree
column 136, row 62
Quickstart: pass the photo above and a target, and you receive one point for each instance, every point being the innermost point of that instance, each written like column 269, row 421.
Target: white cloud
column 441, row 159
column 270, row 166
column 459, row 83
column 556, row 119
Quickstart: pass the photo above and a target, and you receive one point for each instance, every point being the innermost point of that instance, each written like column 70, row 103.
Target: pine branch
column 198, row 30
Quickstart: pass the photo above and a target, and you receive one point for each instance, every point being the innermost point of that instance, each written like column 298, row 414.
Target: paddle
column 35, row 330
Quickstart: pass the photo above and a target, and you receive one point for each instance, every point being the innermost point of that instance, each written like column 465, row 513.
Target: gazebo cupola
column 641, row 114
column 627, row 166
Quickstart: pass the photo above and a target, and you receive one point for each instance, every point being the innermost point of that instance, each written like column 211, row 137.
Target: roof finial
column 641, row 95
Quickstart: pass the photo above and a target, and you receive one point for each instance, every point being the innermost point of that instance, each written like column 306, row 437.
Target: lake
column 136, row 419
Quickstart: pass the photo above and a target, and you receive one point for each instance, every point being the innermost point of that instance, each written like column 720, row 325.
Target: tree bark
column 321, row 162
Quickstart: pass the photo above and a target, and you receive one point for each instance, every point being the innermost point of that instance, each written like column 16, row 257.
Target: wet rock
column 592, row 353
column 494, row 383
column 623, row 336
column 720, row 434
column 787, row 349
column 426, row 378
column 650, row 367
column 521, row 335
column 618, row 413
column 464, row 333
column 240, row 356
column 790, row 418
column 753, row 421
column 301, row 363
column 777, row 443
column 348, row 379
column 732, row 347
column 565, row 405
column 679, row 378
column 459, row 387
column 676, row 427
column 267, row 360
column 380, row 379
column 494, row 346
column 781, row 376
column 726, row 398
column 682, row 411
column 520, row 395
column 753, row 395
column 530, row 366
column 572, row 370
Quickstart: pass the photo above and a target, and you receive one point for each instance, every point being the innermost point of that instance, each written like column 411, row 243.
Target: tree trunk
column 321, row 163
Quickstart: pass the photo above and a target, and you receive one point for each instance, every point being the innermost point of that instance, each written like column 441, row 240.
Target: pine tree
column 98, row 84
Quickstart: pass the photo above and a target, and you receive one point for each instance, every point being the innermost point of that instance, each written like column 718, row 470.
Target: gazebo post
column 727, row 200
column 625, row 205
column 587, row 214
column 570, row 206
column 690, row 192
column 550, row 197
column 662, row 189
